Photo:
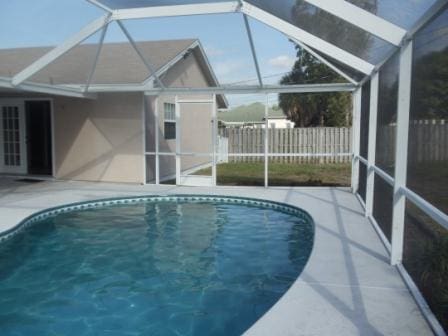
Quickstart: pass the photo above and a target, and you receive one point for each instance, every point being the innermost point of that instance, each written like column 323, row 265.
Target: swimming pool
column 178, row 265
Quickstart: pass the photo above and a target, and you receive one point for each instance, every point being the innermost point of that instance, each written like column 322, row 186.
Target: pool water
column 157, row 268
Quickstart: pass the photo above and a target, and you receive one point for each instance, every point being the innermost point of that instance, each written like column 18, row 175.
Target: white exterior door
column 195, row 153
column 13, row 158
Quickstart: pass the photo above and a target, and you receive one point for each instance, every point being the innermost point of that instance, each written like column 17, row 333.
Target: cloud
column 213, row 51
column 282, row 62
column 232, row 72
column 227, row 68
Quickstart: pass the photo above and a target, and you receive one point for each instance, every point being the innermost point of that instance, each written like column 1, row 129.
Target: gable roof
column 118, row 63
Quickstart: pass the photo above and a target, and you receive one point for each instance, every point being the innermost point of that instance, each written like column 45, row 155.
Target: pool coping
column 105, row 202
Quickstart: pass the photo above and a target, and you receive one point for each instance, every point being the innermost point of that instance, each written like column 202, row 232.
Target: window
column 170, row 121
column 11, row 135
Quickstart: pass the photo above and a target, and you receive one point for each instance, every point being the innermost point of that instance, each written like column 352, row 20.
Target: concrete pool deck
column 347, row 287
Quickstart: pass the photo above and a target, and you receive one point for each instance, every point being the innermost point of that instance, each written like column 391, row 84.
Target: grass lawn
column 282, row 174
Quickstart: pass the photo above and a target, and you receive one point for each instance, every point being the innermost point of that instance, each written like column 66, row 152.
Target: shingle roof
column 118, row 62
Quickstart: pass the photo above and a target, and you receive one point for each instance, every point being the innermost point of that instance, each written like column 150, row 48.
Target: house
column 253, row 116
column 275, row 120
column 106, row 138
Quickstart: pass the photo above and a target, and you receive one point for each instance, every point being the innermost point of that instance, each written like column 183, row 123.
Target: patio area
column 347, row 288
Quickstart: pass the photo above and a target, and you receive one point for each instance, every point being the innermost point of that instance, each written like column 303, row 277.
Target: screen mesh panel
column 365, row 115
column 428, row 129
column 387, row 115
column 382, row 206
column 362, row 186
column 426, row 241
column 425, row 255
column 364, row 139
column 328, row 27
column 403, row 13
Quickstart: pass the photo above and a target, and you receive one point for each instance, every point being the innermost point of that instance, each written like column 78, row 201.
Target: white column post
column 401, row 152
column 178, row 135
column 214, row 135
column 356, row 133
column 266, row 143
column 144, row 135
column 156, row 136
column 374, row 85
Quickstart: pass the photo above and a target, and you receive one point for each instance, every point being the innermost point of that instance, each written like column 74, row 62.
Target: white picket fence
column 223, row 149
column 334, row 141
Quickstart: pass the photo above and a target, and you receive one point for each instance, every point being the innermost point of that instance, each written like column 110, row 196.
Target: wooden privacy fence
column 333, row 141
column 428, row 141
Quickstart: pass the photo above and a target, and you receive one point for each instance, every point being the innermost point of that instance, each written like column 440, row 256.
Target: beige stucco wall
column 99, row 140
column 196, row 127
column 103, row 139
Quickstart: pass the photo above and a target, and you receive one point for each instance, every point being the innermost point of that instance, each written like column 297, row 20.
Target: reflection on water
column 164, row 268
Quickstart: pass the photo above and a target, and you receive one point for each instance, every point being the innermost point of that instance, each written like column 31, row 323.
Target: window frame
column 169, row 119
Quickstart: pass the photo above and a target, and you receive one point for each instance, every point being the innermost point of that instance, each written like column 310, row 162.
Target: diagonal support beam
column 97, row 56
column 325, row 61
column 161, row 71
column 100, row 5
column 252, row 47
column 363, row 19
column 311, row 40
column 142, row 57
column 59, row 51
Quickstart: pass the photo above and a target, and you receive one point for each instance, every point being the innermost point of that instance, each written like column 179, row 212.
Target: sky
column 25, row 23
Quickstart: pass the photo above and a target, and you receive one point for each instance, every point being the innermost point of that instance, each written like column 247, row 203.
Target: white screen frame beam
column 176, row 10
column 373, row 117
column 357, row 97
column 401, row 153
column 254, row 12
column 363, row 19
column 325, row 61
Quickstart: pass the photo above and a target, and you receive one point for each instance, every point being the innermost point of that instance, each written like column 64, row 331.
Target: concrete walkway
column 347, row 287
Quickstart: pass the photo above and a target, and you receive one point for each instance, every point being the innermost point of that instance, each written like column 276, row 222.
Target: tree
column 318, row 109
column 430, row 86
column 329, row 109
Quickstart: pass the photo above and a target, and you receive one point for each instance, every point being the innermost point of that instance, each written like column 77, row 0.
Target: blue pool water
column 151, row 268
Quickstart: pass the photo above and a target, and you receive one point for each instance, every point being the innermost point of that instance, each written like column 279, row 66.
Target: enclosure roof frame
column 357, row 16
